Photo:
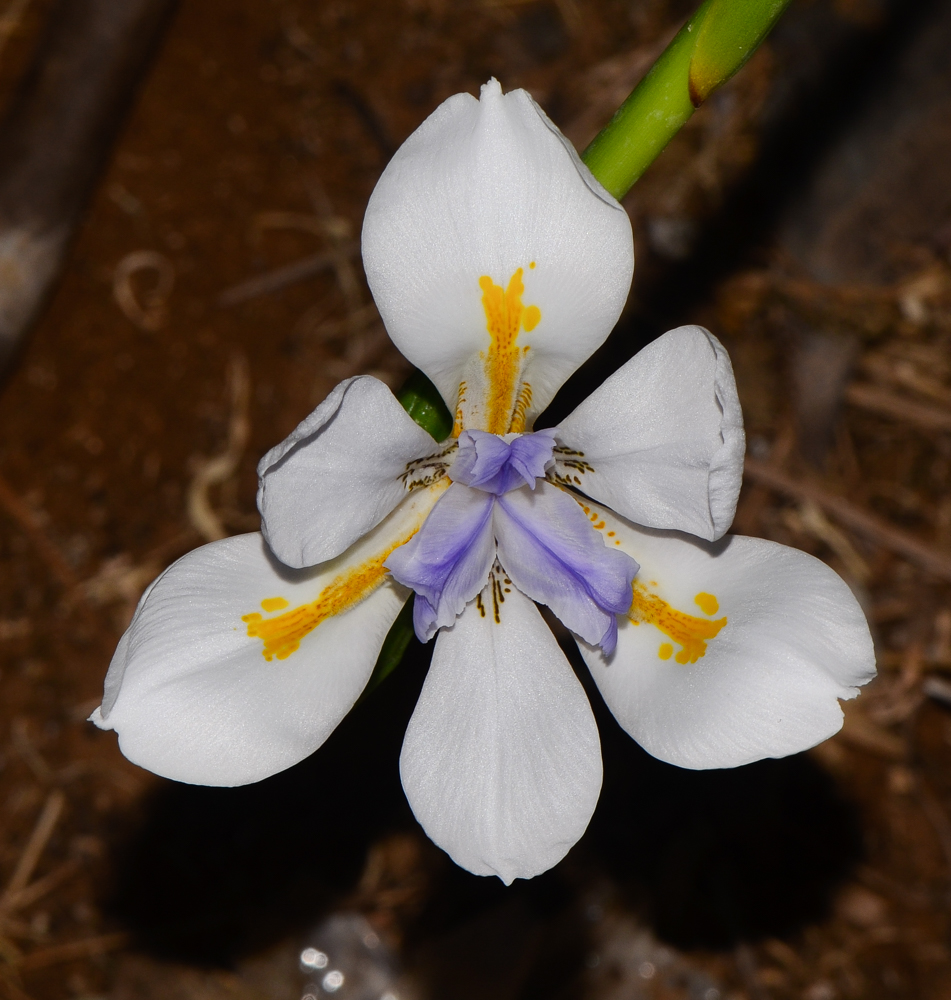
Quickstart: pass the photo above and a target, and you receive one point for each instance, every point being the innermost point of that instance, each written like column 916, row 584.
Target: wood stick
column 289, row 274
column 874, row 528
column 35, row 846
column 26, row 519
column 55, row 139
column 35, row 891
column 10, row 990
column 72, row 950
column 890, row 404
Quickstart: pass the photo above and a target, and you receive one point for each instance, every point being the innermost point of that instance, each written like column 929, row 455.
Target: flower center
column 493, row 464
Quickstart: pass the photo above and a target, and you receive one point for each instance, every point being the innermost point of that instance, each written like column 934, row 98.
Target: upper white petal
column 339, row 473
column 663, row 437
column 768, row 684
column 484, row 188
column 501, row 762
column 190, row 691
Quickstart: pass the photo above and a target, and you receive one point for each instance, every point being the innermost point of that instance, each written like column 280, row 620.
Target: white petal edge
column 484, row 188
column 796, row 641
column 501, row 763
column 339, row 473
column 192, row 696
column 664, row 436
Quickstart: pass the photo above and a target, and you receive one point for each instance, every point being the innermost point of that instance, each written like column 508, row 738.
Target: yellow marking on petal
column 531, row 266
column 666, row 651
column 707, row 603
column 275, row 603
column 505, row 315
column 282, row 635
column 690, row 633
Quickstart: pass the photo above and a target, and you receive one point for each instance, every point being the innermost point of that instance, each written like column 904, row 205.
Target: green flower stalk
column 706, row 52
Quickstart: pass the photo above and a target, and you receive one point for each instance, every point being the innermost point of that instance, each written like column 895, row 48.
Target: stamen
column 688, row 632
column 426, row 471
column 458, row 424
column 570, row 465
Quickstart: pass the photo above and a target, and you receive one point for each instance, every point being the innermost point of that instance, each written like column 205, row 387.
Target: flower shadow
column 708, row 858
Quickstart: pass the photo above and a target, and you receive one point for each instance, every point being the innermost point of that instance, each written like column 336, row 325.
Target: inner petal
column 555, row 555
column 492, row 463
column 448, row 561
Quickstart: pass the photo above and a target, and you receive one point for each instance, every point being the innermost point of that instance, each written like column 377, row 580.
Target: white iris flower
column 499, row 265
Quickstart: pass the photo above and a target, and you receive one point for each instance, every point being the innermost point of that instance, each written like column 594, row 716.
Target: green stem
column 706, row 52
column 394, row 646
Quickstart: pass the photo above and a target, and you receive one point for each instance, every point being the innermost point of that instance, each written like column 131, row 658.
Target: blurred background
column 193, row 179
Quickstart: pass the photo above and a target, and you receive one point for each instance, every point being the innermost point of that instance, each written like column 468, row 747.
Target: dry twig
column 10, row 20
column 32, row 528
column 874, row 528
column 889, row 404
column 35, row 891
column 35, row 846
column 11, row 990
column 150, row 313
column 86, row 948
column 23, row 745
column 289, row 274
column 222, row 467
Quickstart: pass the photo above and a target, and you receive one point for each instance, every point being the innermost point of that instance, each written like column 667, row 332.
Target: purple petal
column 424, row 618
column 488, row 462
column 531, row 455
column 553, row 553
column 448, row 560
column 480, row 460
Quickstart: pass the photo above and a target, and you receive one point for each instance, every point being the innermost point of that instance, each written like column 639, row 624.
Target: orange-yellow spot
column 505, row 315
column 275, row 603
column 707, row 603
column 666, row 651
column 531, row 266
column 690, row 633
column 282, row 635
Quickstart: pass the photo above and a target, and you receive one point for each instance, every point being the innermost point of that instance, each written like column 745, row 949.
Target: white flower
column 498, row 264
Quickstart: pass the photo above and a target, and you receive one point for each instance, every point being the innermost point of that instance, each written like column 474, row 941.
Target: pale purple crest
column 544, row 541
column 488, row 462
column 555, row 555
column 448, row 560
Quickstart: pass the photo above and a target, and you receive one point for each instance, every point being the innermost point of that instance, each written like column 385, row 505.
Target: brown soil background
column 255, row 142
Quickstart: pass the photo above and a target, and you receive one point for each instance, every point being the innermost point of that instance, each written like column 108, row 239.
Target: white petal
column 340, row 472
column 795, row 641
column 193, row 696
column 501, row 762
column 662, row 439
column 484, row 188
